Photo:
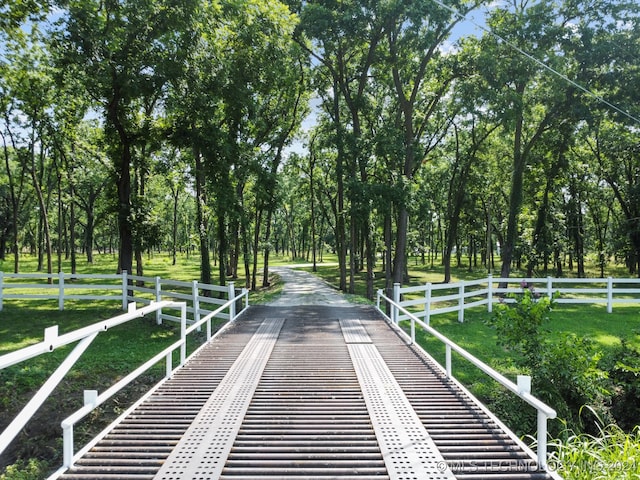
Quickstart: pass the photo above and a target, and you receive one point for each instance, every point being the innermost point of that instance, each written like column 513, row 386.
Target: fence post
column 232, row 305
column 549, row 287
column 60, row 291
column 125, row 299
column 461, row 302
column 609, row 294
column 158, row 292
column 447, row 361
column 1, row 289
column 490, row 293
column 396, row 298
column 427, row 304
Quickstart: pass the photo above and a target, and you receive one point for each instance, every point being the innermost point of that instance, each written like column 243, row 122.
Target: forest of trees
column 183, row 126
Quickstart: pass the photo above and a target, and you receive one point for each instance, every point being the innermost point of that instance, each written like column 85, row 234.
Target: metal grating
column 353, row 331
column 308, row 418
column 473, row 445
column 204, row 448
column 408, row 450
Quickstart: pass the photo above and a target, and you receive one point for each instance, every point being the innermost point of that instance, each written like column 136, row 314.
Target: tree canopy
column 376, row 130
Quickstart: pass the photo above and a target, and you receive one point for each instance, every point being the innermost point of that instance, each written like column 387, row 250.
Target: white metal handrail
column 92, row 400
column 84, row 336
column 52, row 341
column 522, row 389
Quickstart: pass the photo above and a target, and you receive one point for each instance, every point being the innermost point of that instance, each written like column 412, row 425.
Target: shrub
column 564, row 370
column 623, row 366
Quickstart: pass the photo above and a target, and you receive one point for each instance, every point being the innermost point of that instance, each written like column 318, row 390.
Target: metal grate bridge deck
column 308, row 393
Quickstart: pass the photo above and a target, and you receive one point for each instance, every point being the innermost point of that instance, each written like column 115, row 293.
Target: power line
column 539, row 62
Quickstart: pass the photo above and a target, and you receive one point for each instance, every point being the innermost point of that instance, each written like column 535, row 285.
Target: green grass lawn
column 474, row 335
column 116, row 352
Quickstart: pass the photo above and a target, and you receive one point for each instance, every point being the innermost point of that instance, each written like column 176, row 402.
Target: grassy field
column 111, row 356
column 115, row 352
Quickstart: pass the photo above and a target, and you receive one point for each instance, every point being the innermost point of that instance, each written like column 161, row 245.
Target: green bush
column 564, row 370
column 623, row 366
column 33, row 469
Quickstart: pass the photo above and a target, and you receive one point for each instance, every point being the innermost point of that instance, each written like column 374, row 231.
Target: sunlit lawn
column 474, row 335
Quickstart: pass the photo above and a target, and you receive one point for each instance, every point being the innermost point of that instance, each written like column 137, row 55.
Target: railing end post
column 542, row 440
column 67, row 445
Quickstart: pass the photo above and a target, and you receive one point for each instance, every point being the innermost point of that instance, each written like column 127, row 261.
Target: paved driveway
column 303, row 288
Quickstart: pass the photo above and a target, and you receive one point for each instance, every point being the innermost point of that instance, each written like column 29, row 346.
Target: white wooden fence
column 122, row 288
column 442, row 298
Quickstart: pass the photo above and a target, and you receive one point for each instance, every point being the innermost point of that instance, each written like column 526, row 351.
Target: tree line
column 131, row 126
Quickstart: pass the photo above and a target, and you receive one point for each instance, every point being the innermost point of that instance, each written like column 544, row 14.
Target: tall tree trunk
column 202, row 220
column 515, row 196
column 43, row 211
column 341, row 243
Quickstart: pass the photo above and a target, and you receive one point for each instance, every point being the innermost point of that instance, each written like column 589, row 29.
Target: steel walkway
column 308, row 393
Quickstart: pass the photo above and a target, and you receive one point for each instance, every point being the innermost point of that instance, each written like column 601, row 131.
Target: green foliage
column 623, row 365
column 519, row 324
column 32, row 469
column 609, row 454
column 564, row 368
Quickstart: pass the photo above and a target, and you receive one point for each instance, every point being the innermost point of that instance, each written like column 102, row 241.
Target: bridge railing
column 235, row 305
column 522, row 389
column 439, row 298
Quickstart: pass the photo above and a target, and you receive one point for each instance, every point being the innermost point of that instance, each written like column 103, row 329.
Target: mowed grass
column 111, row 356
column 474, row 335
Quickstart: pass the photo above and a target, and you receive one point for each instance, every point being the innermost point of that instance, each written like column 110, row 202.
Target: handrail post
column 413, row 330
column 60, row 291
column 232, row 305
column 183, row 333
column 447, row 361
column 395, row 313
column 158, row 292
column 542, row 440
column 125, row 286
column 461, row 302
column 168, row 365
column 609, row 294
column 67, row 446
column 196, row 305
column 427, row 304
column 490, row 293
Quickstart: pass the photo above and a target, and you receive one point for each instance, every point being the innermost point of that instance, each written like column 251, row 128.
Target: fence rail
column 227, row 309
column 460, row 296
column 201, row 298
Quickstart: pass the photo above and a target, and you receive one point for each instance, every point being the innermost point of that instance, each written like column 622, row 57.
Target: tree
column 125, row 53
column 29, row 85
column 517, row 89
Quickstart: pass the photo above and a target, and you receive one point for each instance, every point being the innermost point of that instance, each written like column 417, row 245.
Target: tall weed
column 610, row 454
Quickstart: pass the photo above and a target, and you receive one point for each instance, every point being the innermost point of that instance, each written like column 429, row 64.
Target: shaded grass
column 112, row 355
